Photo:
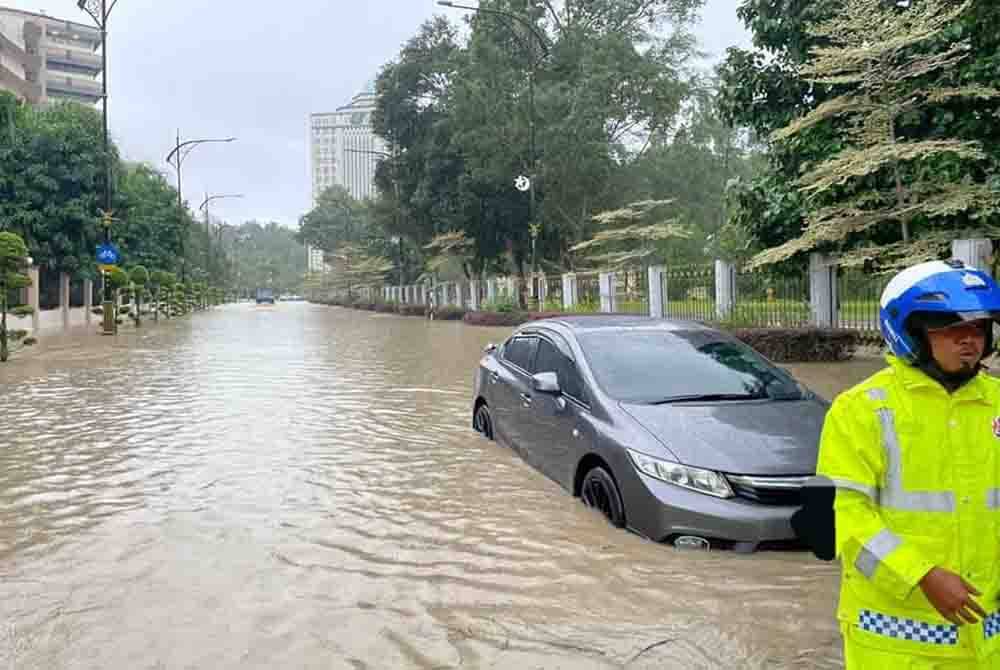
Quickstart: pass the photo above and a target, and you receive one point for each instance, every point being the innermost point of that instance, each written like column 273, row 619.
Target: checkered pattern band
column 991, row 625
column 908, row 629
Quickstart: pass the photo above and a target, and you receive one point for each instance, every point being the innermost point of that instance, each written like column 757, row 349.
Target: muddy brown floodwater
column 299, row 487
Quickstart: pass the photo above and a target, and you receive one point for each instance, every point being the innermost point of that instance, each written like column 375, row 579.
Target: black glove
column 814, row 522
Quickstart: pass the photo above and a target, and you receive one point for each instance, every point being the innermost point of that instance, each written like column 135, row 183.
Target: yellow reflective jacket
column 917, row 486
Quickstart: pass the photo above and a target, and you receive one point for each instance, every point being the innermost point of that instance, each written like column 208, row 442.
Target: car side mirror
column 547, row 382
column 489, row 348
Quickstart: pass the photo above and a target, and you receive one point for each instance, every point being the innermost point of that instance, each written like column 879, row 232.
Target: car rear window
column 652, row 366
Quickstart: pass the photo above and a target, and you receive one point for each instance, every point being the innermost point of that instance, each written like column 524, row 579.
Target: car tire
column 599, row 491
column 482, row 421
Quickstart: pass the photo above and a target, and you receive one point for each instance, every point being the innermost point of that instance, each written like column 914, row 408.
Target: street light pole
column 176, row 159
column 208, row 221
column 533, row 227
column 99, row 11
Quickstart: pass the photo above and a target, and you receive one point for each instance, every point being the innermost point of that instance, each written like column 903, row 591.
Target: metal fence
column 771, row 300
column 588, row 293
column 632, row 291
column 689, row 293
column 858, row 294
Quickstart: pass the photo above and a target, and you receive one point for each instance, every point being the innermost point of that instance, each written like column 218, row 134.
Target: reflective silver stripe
column 875, row 551
column 878, row 394
column 993, row 499
column 893, row 495
column 869, row 491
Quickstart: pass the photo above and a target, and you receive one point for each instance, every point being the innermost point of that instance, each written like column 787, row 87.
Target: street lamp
column 99, row 11
column 208, row 229
column 533, row 227
column 176, row 159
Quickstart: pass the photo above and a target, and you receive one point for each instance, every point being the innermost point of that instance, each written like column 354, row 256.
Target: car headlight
column 695, row 479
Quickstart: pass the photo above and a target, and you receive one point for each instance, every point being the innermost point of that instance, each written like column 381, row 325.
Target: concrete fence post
column 822, row 290
column 458, row 295
column 64, row 299
column 34, row 291
column 725, row 289
column 975, row 253
column 474, row 295
column 543, row 291
column 656, row 293
column 607, row 282
column 491, row 290
column 571, row 292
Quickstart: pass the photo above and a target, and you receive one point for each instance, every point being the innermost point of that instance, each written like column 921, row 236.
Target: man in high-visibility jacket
column 914, row 455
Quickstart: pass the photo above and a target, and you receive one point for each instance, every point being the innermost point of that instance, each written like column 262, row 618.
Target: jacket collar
column 912, row 378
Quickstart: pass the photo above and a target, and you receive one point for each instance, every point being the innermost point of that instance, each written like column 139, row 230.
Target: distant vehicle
column 677, row 431
column 265, row 296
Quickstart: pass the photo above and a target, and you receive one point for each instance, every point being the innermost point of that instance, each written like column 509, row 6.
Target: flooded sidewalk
column 299, row 487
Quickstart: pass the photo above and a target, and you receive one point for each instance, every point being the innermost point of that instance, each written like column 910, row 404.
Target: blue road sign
column 108, row 254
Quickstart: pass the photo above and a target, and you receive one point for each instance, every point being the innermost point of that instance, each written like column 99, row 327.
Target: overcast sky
column 256, row 71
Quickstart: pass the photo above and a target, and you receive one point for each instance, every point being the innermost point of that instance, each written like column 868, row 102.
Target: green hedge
column 801, row 345
column 412, row 310
column 448, row 313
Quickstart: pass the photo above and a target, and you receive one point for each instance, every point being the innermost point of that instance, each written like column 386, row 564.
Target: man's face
column 959, row 348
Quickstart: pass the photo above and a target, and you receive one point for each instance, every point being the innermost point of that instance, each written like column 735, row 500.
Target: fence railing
column 823, row 295
column 689, row 293
column 857, row 296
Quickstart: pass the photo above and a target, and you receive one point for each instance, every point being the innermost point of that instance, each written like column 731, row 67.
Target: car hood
column 751, row 438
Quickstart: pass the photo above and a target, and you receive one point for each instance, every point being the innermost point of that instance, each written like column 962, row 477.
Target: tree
column 636, row 234
column 13, row 257
column 50, row 177
column 139, row 276
column 151, row 229
column 892, row 66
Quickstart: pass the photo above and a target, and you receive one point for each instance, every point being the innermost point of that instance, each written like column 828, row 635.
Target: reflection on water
column 298, row 487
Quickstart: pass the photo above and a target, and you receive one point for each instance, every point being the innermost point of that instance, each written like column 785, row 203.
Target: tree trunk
column 4, row 353
column 138, row 309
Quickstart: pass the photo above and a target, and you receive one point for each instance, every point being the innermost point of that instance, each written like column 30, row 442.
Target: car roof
column 611, row 322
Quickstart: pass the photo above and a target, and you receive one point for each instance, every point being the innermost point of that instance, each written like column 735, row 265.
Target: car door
column 512, row 382
column 558, row 431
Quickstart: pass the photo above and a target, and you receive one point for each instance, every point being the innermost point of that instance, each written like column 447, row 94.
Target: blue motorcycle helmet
column 936, row 294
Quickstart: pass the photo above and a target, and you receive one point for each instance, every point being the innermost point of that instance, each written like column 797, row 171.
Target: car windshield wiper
column 710, row 397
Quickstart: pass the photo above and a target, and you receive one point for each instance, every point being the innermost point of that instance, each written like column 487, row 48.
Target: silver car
column 676, row 431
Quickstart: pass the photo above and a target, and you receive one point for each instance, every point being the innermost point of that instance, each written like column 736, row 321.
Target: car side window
column 551, row 359
column 520, row 351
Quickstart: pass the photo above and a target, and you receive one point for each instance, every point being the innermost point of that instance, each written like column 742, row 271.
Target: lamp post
column 208, row 224
column 100, row 12
column 533, row 227
column 176, row 159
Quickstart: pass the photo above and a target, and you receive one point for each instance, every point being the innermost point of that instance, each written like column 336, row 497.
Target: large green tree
column 766, row 89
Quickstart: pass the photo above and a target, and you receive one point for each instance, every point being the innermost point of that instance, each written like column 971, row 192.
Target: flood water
column 299, row 487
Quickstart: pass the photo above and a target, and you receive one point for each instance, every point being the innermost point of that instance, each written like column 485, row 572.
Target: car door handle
column 494, row 378
column 526, row 399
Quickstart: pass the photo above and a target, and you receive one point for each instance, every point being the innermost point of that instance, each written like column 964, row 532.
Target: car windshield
column 654, row 367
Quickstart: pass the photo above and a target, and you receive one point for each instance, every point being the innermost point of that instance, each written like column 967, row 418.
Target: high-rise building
column 44, row 59
column 344, row 151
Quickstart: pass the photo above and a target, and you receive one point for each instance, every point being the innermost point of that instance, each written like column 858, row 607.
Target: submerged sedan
column 676, row 431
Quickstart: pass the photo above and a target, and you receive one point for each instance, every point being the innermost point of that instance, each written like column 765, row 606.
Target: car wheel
column 600, row 492
column 483, row 422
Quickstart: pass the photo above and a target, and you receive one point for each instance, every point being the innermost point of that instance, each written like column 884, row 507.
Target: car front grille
column 772, row 491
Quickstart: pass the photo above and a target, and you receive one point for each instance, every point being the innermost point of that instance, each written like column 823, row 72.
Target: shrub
column 449, row 313
column 385, row 307
column 22, row 310
column 412, row 310
column 795, row 345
